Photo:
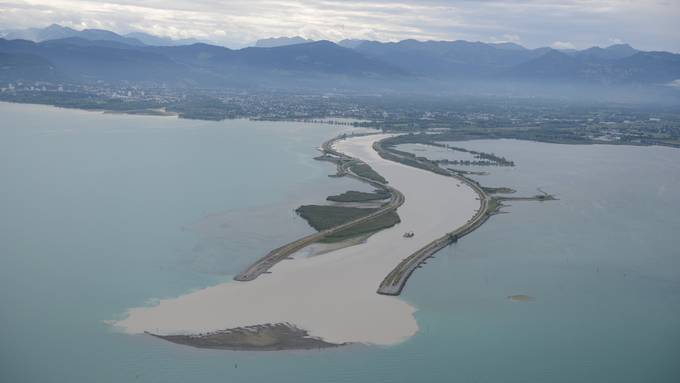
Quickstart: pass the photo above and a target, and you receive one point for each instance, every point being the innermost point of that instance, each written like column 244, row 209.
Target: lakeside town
column 547, row 120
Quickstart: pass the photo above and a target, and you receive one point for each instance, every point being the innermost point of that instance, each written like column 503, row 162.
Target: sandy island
column 331, row 297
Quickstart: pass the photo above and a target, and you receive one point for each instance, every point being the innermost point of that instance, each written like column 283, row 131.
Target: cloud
column 506, row 38
column 563, row 45
column 647, row 24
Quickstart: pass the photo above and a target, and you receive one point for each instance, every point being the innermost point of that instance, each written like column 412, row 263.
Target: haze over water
column 101, row 213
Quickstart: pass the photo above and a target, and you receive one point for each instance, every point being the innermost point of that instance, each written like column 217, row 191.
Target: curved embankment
column 279, row 254
column 331, row 297
column 395, row 281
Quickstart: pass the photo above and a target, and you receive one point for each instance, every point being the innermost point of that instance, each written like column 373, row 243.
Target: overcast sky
column 645, row 24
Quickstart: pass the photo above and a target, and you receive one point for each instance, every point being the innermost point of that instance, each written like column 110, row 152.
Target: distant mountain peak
column 154, row 40
column 612, row 52
column 56, row 32
column 274, row 42
column 623, row 48
column 351, row 43
column 620, row 46
column 57, row 27
column 552, row 52
column 509, row 46
column 322, row 43
column 94, row 54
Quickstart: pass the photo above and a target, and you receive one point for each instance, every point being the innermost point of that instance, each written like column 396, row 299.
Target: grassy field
column 357, row 196
column 364, row 170
column 383, row 222
column 494, row 205
column 324, row 217
column 499, row 190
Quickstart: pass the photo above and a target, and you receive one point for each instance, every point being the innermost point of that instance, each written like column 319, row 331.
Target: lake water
column 100, row 213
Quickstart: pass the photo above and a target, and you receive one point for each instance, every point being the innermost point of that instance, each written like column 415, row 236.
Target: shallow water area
column 333, row 297
column 101, row 213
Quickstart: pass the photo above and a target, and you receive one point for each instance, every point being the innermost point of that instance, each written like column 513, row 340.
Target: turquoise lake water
column 100, row 213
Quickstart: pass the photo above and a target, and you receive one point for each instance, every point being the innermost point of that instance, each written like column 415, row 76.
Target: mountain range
column 55, row 32
column 281, row 42
column 92, row 55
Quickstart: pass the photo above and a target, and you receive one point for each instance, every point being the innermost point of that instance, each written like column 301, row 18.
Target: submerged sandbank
column 333, row 296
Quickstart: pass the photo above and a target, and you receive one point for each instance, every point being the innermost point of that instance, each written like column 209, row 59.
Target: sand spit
column 267, row 337
column 331, row 297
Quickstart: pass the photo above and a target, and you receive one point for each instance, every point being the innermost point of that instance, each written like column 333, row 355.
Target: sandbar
column 331, row 297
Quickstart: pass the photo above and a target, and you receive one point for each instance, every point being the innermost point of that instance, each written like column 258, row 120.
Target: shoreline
column 265, row 337
column 395, row 281
column 343, row 163
column 314, row 294
column 356, row 122
column 491, row 203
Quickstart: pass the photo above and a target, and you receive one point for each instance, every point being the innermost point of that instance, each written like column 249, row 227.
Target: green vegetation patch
column 389, row 153
column 357, row 196
column 366, row 171
column 494, row 205
column 322, row 217
column 278, row 336
column 383, row 222
column 499, row 190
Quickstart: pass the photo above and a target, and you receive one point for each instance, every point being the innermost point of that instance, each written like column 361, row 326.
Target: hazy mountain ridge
column 149, row 39
column 96, row 55
column 274, row 42
column 613, row 52
column 445, row 58
column 584, row 66
column 198, row 64
column 57, row 32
